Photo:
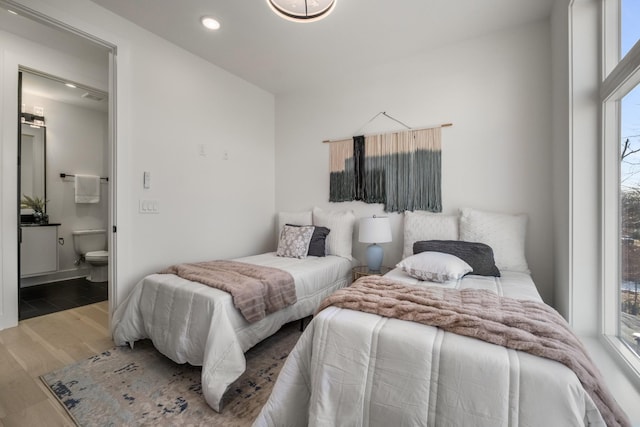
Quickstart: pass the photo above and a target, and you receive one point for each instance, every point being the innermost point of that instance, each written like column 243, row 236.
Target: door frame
column 9, row 255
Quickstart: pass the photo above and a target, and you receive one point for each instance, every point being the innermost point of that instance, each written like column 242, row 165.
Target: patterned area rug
column 124, row 387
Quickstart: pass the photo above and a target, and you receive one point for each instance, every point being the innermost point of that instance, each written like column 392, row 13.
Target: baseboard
column 56, row 276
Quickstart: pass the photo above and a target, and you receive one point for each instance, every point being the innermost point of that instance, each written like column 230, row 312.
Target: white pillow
column 294, row 218
column 340, row 238
column 294, row 241
column 435, row 266
column 505, row 234
column 421, row 225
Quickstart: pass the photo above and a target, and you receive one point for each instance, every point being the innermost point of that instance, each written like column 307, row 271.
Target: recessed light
column 71, row 85
column 12, row 12
column 210, row 23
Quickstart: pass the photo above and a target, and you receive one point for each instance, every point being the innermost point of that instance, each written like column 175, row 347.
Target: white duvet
column 193, row 323
column 357, row 369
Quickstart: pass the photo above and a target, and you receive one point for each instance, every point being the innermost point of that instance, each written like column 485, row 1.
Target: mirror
column 33, row 163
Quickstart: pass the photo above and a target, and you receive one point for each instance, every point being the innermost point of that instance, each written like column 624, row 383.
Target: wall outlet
column 149, row 206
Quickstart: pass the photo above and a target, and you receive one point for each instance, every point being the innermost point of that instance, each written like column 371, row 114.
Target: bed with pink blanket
column 442, row 340
column 354, row 367
column 192, row 322
column 210, row 313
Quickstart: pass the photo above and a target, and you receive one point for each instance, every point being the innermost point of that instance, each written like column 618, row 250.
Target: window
column 629, row 319
column 620, row 94
column 629, row 28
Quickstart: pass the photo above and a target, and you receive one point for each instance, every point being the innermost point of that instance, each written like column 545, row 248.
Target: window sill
column 622, row 381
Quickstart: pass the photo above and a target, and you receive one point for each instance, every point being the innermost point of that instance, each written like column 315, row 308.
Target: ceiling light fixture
column 302, row 10
column 12, row 12
column 71, row 85
column 210, row 23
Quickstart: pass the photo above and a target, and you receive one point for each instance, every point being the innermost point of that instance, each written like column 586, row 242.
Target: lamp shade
column 376, row 229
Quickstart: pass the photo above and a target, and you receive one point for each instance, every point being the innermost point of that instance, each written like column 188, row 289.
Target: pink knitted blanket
column 256, row 290
column 524, row 325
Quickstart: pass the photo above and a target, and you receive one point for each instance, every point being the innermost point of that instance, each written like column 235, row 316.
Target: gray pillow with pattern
column 294, row 241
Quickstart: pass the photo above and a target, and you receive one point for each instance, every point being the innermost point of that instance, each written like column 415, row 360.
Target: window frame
column 620, row 77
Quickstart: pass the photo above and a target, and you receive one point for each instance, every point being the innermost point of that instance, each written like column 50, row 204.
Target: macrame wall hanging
column 401, row 170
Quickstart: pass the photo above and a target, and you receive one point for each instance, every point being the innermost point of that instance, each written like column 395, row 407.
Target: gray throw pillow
column 318, row 240
column 478, row 255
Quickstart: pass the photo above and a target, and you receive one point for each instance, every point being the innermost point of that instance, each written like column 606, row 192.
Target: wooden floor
column 38, row 346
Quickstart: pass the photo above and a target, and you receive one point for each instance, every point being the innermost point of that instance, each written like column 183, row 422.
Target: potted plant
column 37, row 204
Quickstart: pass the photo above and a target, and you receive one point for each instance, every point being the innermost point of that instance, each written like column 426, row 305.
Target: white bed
column 193, row 323
column 354, row 368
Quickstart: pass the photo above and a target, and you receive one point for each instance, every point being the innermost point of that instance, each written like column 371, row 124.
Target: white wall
column 76, row 144
column 209, row 207
column 497, row 156
column 169, row 102
column 584, row 247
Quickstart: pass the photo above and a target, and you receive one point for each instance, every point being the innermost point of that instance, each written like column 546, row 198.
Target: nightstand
column 363, row 270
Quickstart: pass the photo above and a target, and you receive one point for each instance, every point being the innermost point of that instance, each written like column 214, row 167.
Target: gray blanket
column 256, row 290
column 528, row 326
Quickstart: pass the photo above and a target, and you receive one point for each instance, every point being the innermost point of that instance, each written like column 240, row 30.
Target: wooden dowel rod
column 444, row 125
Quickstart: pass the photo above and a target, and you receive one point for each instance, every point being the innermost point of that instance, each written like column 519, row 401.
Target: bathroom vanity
column 38, row 249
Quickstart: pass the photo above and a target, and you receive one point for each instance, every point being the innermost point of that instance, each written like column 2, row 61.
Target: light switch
column 146, row 180
column 149, row 206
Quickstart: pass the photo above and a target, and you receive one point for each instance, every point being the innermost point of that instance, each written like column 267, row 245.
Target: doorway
column 63, row 135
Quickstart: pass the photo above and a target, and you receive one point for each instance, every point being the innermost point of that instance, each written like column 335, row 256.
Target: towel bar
column 64, row 175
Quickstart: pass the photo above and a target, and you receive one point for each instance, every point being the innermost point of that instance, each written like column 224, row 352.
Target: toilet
column 91, row 245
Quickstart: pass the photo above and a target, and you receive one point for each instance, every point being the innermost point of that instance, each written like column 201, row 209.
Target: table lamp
column 376, row 229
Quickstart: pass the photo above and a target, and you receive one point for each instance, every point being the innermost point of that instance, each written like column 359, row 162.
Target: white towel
column 87, row 189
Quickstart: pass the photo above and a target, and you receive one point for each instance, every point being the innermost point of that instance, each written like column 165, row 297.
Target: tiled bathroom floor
column 52, row 297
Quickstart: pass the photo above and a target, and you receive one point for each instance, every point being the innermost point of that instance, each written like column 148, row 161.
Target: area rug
column 140, row 386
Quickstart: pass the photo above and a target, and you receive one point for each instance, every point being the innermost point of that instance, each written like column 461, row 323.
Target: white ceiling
column 278, row 55
column 55, row 89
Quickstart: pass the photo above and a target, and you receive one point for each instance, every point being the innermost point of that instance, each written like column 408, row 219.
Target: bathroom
column 63, row 256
